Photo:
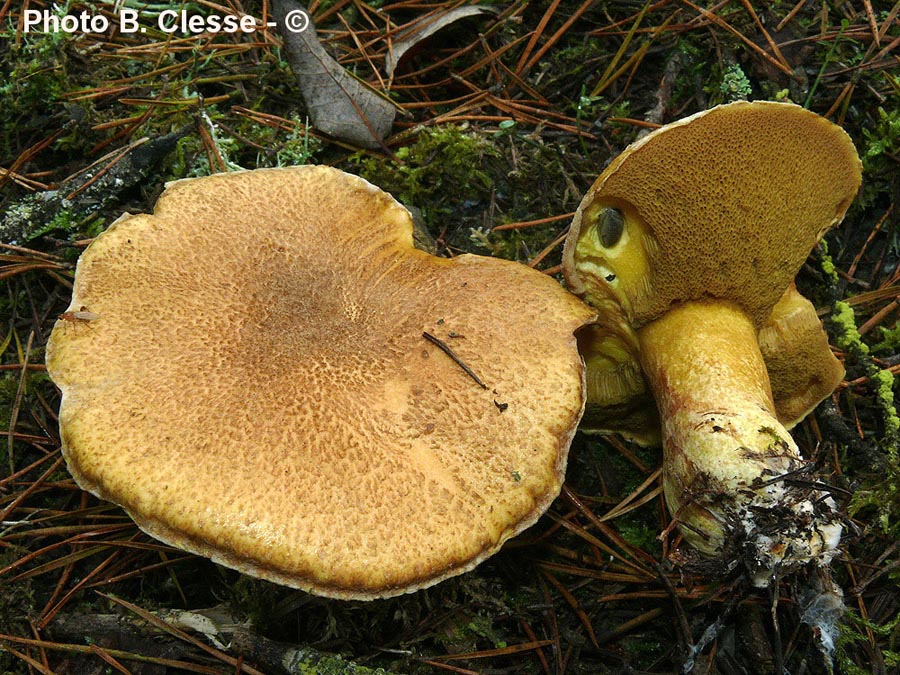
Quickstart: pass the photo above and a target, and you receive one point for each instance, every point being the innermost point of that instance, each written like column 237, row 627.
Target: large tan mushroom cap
column 256, row 386
column 693, row 189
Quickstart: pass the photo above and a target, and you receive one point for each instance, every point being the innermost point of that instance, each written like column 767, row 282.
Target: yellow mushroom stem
column 733, row 477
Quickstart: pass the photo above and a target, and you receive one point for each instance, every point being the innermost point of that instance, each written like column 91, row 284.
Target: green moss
column 468, row 631
column 877, row 503
column 829, row 269
column 255, row 600
column 783, row 95
column 643, row 536
column 33, row 77
column 465, row 184
column 64, row 221
column 855, row 630
column 584, row 60
column 443, row 164
column 848, row 336
column 182, row 161
column 827, row 264
column 299, row 147
column 881, row 499
column 884, row 391
column 849, row 339
column 890, row 340
column 309, row 662
column 882, row 140
column 190, row 159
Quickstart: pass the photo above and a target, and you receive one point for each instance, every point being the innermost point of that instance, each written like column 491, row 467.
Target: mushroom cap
column 724, row 204
column 802, row 368
column 255, row 385
column 618, row 397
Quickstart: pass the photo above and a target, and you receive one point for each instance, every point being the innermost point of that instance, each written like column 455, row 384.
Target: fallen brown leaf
column 339, row 104
column 426, row 26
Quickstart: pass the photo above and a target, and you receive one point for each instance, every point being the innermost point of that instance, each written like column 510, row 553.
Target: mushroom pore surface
column 690, row 196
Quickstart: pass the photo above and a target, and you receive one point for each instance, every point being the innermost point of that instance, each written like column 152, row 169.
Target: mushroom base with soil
column 732, row 472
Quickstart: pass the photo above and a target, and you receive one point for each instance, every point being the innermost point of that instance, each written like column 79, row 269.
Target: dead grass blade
column 574, row 604
column 493, row 653
column 719, row 21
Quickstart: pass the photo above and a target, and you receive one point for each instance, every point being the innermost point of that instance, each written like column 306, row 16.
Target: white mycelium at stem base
column 732, row 474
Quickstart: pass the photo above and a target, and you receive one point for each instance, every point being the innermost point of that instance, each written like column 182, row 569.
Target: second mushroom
column 689, row 243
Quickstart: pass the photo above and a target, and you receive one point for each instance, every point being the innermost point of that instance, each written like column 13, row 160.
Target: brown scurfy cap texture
column 698, row 199
column 255, row 386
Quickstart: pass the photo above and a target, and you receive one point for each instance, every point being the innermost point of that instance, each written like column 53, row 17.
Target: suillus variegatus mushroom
column 688, row 244
column 274, row 377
